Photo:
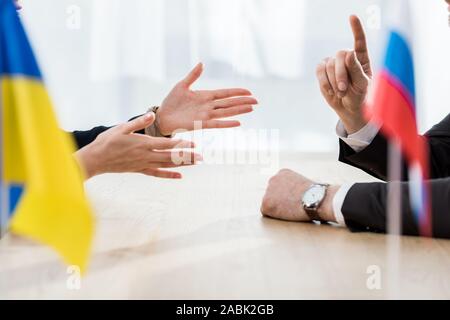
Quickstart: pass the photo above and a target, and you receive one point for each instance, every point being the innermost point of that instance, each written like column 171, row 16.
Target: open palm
column 183, row 106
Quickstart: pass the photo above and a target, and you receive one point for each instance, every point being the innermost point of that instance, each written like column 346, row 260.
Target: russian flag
column 394, row 109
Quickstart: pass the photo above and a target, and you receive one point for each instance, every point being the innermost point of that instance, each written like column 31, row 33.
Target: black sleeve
column 365, row 208
column 83, row 138
column 439, row 142
column 373, row 159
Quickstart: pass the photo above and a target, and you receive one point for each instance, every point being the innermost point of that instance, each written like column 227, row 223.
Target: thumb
column 356, row 71
column 193, row 75
column 138, row 124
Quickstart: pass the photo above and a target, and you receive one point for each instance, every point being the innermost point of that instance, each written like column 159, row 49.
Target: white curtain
column 255, row 38
column 127, row 39
column 127, row 54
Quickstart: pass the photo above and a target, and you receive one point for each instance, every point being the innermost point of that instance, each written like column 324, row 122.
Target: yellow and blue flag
column 43, row 183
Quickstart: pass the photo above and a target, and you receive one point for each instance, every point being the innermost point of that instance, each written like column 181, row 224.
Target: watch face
column 314, row 196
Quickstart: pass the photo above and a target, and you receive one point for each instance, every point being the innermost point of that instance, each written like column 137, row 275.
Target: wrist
column 326, row 210
column 88, row 161
column 160, row 123
column 353, row 122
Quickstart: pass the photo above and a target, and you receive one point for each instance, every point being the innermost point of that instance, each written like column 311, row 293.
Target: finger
column 230, row 112
column 194, row 75
column 341, row 73
column 356, row 72
column 162, row 174
column 361, row 49
column 216, row 124
column 167, row 165
column 166, row 144
column 331, row 74
column 175, row 157
column 185, row 158
column 324, row 83
column 229, row 93
column 359, row 35
column 137, row 124
column 233, row 102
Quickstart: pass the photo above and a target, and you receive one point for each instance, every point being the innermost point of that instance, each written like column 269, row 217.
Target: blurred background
column 108, row 60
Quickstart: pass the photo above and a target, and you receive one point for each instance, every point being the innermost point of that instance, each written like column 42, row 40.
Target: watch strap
column 313, row 215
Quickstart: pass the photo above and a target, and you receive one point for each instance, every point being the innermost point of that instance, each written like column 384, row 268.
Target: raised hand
column 183, row 107
column 345, row 79
column 120, row 150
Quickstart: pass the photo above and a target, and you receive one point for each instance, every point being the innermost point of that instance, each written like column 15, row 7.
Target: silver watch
column 313, row 199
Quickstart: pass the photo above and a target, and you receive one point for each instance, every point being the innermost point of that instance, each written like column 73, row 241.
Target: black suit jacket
column 365, row 205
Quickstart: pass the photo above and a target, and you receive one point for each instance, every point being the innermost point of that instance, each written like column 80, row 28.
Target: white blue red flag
column 395, row 109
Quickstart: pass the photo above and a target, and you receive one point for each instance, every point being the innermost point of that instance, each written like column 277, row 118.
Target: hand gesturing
column 345, row 79
column 183, row 106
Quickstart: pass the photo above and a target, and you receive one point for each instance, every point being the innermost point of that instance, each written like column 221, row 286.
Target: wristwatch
column 313, row 199
column 154, row 130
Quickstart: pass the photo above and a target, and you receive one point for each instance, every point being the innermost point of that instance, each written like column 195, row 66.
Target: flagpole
column 394, row 219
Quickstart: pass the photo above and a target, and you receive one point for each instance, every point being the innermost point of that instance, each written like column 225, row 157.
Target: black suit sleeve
column 373, row 159
column 365, row 208
column 83, row 138
column 365, row 205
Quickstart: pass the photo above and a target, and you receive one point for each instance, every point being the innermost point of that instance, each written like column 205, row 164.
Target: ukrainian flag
column 42, row 181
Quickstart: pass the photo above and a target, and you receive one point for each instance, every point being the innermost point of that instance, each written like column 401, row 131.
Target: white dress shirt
column 358, row 142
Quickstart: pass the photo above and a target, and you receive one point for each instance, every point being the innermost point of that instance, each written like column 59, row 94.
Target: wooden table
column 204, row 238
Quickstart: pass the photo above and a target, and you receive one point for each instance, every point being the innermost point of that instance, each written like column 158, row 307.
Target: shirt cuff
column 360, row 140
column 338, row 203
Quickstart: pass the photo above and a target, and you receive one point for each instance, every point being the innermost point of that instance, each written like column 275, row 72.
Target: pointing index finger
column 361, row 48
column 358, row 34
